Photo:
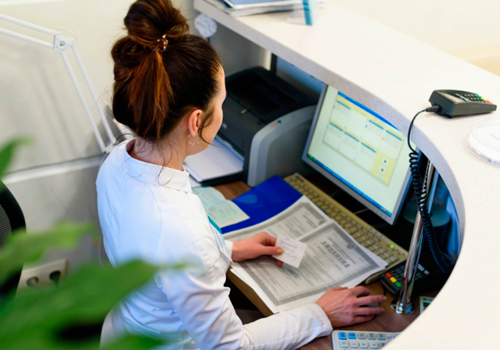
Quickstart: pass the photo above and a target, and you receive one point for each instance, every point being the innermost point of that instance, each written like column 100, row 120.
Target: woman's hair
column 161, row 71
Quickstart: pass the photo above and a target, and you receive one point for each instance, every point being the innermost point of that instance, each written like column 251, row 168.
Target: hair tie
column 164, row 41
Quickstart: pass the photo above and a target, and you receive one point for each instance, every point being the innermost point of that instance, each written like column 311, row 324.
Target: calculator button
column 353, row 344
column 381, row 336
column 342, row 336
column 351, row 335
column 372, row 336
column 373, row 345
column 344, row 344
column 363, row 345
column 381, row 345
column 361, row 335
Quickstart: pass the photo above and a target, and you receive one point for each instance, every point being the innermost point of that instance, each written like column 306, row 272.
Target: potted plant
column 69, row 315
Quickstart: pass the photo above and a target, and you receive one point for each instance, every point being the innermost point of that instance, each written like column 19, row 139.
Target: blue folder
column 264, row 201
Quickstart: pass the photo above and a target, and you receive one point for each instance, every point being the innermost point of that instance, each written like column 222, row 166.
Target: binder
column 264, row 201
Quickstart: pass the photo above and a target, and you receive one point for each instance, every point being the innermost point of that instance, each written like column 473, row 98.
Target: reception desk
column 394, row 75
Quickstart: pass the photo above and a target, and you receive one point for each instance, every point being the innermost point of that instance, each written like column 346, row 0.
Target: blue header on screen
column 366, row 109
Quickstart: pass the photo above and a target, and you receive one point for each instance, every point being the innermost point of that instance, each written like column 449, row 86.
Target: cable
column 434, row 109
column 419, row 184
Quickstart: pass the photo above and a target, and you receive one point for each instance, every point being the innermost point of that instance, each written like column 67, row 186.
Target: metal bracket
column 61, row 42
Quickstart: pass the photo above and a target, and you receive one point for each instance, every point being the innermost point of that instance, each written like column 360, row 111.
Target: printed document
column 332, row 258
column 222, row 211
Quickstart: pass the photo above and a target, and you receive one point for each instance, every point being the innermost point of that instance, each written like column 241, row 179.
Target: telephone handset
column 454, row 103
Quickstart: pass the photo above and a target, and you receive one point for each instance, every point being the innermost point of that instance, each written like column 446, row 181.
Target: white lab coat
column 149, row 212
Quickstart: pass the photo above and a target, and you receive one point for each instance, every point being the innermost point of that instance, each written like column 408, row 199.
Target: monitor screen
column 360, row 152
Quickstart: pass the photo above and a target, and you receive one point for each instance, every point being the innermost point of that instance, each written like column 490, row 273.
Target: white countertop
column 394, row 75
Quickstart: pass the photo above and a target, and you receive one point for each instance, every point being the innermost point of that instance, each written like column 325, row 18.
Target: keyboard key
column 351, row 335
column 342, row 335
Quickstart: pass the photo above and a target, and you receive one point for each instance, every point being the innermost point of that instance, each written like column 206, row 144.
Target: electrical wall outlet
column 44, row 275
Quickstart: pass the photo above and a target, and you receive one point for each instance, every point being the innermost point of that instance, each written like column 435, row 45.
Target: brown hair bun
column 161, row 71
column 148, row 20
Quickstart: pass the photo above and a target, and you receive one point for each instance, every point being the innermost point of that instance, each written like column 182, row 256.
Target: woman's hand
column 345, row 306
column 255, row 246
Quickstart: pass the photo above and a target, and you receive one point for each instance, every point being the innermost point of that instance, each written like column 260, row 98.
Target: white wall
column 465, row 28
column 240, row 54
column 54, row 177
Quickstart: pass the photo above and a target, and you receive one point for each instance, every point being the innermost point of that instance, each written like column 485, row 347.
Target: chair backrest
column 11, row 219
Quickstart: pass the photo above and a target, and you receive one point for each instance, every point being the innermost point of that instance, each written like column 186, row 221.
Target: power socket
column 44, row 275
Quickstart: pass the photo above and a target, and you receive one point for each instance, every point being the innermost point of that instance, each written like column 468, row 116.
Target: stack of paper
column 252, row 7
column 219, row 160
column 241, row 4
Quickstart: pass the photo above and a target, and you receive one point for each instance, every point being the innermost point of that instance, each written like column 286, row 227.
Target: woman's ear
column 194, row 121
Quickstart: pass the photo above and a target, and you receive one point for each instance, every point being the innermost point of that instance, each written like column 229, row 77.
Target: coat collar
column 152, row 173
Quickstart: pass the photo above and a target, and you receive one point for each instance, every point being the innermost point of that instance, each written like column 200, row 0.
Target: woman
column 169, row 89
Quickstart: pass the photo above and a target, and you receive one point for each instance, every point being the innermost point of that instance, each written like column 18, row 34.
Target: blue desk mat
column 264, row 201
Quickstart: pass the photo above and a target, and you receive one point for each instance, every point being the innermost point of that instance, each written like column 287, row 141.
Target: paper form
column 299, row 218
column 332, row 259
column 222, row 211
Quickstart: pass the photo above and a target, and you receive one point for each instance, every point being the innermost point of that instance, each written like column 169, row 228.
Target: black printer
column 266, row 120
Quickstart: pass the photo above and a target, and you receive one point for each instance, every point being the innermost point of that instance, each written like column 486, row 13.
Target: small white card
column 293, row 250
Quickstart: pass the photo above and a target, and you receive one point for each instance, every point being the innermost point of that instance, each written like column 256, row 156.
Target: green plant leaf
column 28, row 248
column 71, row 315
column 7, row 151
column 80, row 303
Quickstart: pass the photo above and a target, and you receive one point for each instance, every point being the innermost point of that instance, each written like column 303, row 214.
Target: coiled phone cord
column 419, row 184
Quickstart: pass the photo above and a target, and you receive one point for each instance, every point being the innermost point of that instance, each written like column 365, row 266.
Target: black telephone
column 435, row 266
column 454, row 103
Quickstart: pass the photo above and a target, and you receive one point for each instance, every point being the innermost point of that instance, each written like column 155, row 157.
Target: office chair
column 11, row 219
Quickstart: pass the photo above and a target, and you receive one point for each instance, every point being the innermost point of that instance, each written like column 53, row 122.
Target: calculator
column 360, row 340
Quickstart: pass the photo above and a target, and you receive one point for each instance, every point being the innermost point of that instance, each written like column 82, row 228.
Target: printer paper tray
column 218, row 162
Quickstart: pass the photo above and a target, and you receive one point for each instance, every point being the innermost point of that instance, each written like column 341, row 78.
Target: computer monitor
column 360, row 152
